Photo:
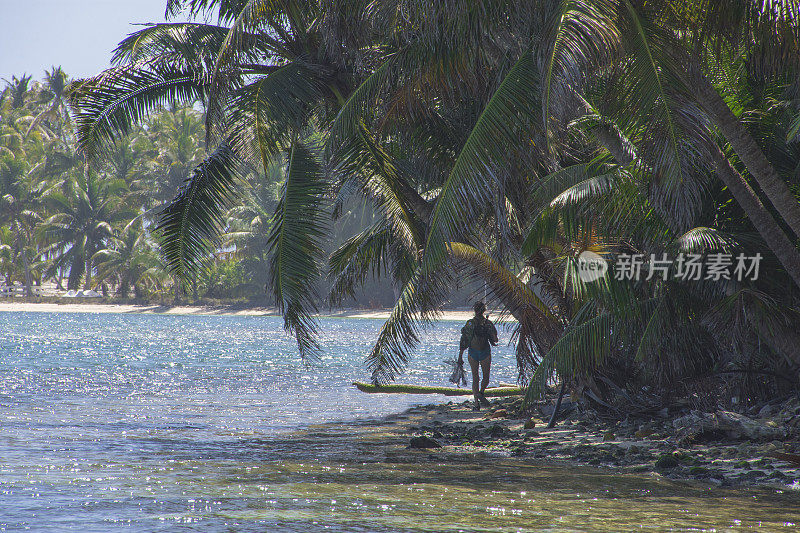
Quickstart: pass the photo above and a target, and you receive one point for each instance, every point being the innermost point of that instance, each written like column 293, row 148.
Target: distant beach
column 82, row 306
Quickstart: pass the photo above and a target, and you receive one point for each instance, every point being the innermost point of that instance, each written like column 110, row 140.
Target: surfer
column 477, row 337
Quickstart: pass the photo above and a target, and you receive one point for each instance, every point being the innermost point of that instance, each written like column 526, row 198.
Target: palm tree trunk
column 88, row 272
column 747, row 149
column 554, row 416
column 25, row 265
column 28, row 278
column 124, row 287
column 766, row 226
column 75, row 274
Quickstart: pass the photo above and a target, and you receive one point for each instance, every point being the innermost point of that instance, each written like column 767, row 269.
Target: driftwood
column 698, row 425
column 447, row 391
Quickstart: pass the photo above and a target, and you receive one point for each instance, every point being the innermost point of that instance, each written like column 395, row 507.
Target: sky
column 79, row 35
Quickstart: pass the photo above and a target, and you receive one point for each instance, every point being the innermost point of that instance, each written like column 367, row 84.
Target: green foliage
column 190, row 225
column 493, row 143
column 221, row 278
column 294, row 243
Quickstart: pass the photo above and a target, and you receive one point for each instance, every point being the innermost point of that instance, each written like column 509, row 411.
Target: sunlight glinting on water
column 151, row 423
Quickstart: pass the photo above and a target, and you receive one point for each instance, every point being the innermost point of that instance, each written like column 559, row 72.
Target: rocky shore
column 722, row 448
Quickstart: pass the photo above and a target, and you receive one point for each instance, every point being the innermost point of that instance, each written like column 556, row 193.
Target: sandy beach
column 234, row 310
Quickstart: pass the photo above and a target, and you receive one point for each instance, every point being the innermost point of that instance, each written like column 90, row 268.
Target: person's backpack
column 482, row 329
column 473, row 328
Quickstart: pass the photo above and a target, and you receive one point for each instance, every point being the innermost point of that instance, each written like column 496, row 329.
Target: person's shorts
column 479, row 355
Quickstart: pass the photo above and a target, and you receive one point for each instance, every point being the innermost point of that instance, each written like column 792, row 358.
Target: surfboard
column 447, row 391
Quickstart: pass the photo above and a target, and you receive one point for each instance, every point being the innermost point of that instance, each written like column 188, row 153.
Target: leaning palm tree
column 461, row 124
column 657, row 42
column 254, row 111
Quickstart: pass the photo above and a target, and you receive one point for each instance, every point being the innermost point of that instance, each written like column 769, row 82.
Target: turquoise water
column 211, row 423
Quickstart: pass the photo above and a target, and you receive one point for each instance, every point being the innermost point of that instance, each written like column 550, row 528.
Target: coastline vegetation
column 484, row 142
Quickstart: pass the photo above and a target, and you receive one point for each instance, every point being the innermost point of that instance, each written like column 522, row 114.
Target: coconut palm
column 462, row 123
column 18, row 209
column 55, row 85
column 85, row 207
column 177, row 138
column 7, row 263
column 269, row 113
column 130, row 260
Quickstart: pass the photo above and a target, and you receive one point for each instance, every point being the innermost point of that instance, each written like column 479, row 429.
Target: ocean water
column 127, row 422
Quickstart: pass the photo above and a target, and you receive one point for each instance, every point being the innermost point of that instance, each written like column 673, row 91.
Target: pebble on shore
column 739, row 450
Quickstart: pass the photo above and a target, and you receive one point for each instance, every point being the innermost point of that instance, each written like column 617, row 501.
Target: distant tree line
column 92, row 226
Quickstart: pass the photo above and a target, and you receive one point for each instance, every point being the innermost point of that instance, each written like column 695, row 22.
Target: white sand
column 9, row 305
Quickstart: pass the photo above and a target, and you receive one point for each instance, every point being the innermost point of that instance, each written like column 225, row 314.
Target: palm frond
column 582, row 348
column 468, row 185
column 107, row 105
column 190, row 225
column 294, row 244
column 705, row 240
column 516, row 296
column 364, row 162
column 195, row 44
column 399, row 335
column 553, row 185
column 349, row 119
column 356, row 258
column 584, row 36
column 225, row 10
column 266, row 111
column 256, row 17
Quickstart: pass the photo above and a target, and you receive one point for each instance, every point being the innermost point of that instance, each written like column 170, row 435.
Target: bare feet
column 483, row 400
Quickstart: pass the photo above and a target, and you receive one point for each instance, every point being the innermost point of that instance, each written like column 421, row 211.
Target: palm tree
column 249, row 224
column 129, row 260
column 56, row 83
column 7, row 255
column 655, row 88
column 177, row 136
column 18, row 209
column 270, row 113
column 85, row 208
column 461, row 125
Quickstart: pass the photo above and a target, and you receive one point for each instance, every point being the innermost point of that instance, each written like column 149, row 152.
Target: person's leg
column 486, row 363
column 475, row 390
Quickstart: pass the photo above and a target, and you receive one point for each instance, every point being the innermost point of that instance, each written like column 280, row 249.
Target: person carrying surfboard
column 477, row 338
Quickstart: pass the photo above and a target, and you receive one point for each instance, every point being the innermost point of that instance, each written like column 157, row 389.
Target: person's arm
column 493, row 340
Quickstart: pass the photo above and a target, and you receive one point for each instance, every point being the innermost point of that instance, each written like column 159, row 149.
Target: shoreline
column 452, row 431
column 81, row 306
